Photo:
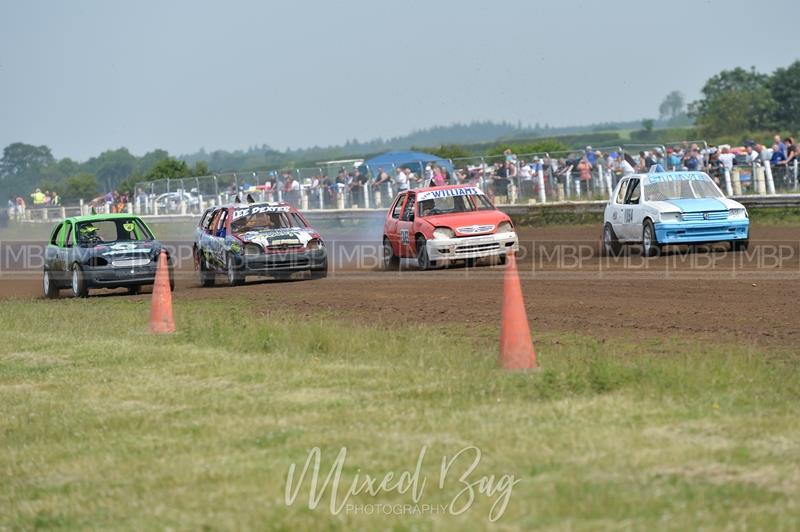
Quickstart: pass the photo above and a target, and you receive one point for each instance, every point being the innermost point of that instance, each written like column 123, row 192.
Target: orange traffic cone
column 161, row 307
column 516, row 346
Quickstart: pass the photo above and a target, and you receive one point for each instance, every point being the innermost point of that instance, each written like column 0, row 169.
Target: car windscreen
column 107, row 231
column 694, row 188
column 261, row 221
column 453, row 204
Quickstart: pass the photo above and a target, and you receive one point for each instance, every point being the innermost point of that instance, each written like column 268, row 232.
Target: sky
column 84, row 76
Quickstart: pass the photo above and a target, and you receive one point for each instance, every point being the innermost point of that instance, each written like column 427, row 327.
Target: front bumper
column 705, row 231
column 268, row 263
column 472, row 247
column 112, row 277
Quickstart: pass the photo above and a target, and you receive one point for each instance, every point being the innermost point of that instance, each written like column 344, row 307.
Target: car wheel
column 320, row 273
column 235, row 277
column 49, row 286
column 78, row 284
column 134, row 290
column 740, row 245
column 390, row 260
column 611, row 246
column 650, row 246
column 207, row 277
column 423, row 260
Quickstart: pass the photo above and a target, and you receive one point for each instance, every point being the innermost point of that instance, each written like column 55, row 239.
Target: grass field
column 106, row 426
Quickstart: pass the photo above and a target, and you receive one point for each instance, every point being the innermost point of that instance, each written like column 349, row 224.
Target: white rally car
column 663, row 208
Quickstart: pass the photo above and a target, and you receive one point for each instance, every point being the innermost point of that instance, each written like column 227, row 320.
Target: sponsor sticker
column 238, row 213
column 677, row 176
column 449, row 192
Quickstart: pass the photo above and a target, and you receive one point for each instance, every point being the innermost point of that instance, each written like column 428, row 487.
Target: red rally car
column 439, row 224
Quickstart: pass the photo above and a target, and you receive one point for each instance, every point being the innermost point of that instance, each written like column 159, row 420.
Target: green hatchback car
column 101, row 251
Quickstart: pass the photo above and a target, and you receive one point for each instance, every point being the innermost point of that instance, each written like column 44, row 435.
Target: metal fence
column 509, row 179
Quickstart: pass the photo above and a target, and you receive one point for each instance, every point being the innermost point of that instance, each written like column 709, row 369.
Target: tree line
column 25, row 167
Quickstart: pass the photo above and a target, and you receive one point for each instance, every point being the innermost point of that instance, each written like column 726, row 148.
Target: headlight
column 314, row 243
column 737, row 213
column 670, row 217
column 252, row 249
column 443, row 232
column 505, row 227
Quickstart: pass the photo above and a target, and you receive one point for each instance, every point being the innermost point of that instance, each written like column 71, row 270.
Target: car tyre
column 134, row 290
column 235, row 277
column 78, row 282
column 424, row 262
column 49, row 285
column 740, row 245
column 207, row 277
column 611, row 245
column 391, row 262
column 321, row 272
column 650, row 246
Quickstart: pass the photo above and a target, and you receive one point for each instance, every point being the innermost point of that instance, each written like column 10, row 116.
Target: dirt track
column 749, row 298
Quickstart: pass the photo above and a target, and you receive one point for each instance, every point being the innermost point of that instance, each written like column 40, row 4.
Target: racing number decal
column 404, row 236
column 628, row 216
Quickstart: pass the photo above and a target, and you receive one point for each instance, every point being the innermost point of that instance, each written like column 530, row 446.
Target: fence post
column 367, row 192
column 737, row 182
column 770, row 181
column 129, row 207
column 540, row 179
column 340, row 200
column 728, row 189
column 304, row 199
column 63, row 213
column 758, row 176
column 795, row 173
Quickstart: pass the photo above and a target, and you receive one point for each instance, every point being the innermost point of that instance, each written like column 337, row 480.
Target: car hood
column 699, row 204
column 122, row 250
column 278, row 237
column 469, row 223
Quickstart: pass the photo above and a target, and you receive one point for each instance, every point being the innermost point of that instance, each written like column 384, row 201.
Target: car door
column 405, row 226
column 69, row 249
column 615, row 209
column 390, row 226
column 632, row 211
column 52, row 260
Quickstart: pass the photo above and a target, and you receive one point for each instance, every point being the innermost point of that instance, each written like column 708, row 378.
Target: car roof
column 100, row 217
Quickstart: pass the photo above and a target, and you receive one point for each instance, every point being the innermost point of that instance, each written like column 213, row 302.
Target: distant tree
column 201, row 169
column 149, row 160
column 734, row 101
column 168, row 169
column 447, row 151
column 784, row 86
column 81, row 186
column 539, row 148
column 647, row 125
column 19, row 158
column 672, row 105
column 112, row 166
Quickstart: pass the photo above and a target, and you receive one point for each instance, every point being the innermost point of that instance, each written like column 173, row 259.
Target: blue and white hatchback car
column 664, row 208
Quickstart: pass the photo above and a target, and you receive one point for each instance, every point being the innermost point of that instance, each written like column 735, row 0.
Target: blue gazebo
column 415, row 160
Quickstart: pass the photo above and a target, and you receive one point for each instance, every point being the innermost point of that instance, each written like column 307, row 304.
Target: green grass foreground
column 105, row 426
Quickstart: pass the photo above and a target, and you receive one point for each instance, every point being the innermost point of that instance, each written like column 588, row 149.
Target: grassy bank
column 106, row 426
